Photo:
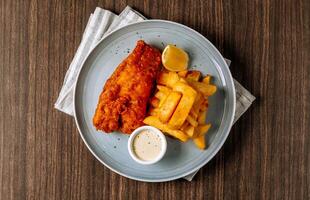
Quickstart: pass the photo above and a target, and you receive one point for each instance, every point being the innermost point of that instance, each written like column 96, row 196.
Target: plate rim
column 213, row 153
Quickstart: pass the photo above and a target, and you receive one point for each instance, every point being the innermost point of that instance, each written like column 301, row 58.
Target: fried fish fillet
column 123, row 102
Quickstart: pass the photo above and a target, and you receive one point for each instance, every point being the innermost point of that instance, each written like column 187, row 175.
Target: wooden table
column 266, row 155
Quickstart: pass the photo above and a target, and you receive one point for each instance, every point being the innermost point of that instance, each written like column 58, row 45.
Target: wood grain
column 266, row 155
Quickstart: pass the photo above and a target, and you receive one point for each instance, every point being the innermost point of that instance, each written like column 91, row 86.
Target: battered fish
column 123, row 102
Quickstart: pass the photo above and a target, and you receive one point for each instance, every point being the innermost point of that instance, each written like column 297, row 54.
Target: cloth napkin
column 102, row 22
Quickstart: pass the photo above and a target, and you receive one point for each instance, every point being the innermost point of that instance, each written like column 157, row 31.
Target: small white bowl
column 162, row 139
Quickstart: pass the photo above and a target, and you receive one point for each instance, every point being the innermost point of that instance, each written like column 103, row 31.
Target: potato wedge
column 202, row 117
column 193, row 75
column 154, row 102
column 191, row 121
column 184, row 106
column 168, row 79
column 183, row 73
column 200, row 142
column 169, row 106
column 206, row 90
column 207, row 80
column 154, row 121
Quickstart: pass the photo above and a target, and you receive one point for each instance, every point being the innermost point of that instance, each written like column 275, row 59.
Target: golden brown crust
column 123, row 102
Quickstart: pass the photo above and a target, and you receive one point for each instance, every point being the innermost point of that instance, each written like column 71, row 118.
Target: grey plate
column 181, row 159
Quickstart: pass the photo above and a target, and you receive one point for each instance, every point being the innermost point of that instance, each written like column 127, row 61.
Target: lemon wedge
column 174, row 58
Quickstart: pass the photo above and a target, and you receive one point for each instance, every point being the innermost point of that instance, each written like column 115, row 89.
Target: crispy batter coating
column 123, row 102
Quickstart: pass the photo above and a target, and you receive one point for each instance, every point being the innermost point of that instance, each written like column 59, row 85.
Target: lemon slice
column 174, row 58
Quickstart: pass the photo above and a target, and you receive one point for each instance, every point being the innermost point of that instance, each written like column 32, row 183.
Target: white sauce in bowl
column 147, row 145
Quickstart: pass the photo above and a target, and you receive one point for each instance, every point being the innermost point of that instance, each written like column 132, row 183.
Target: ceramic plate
column 181, row 159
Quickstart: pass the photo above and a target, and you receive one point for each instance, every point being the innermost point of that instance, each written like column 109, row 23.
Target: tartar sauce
column 147, row 145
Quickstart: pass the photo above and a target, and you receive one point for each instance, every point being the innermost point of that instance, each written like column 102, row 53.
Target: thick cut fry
column 184, row 126
column 168, row 79
column 161, row 102
column 207, row 79
column 182, row 80
column 183, row 73
column 154, row 102
column 200, row 142
column 164, row 89
column 204, row 104
column 193, row 75
column 190, row 131
column 160, row 95
column 193, row 114
column 154, row 121
column 206, row 90
column 163, row 77
column 197, row 105
column 153, row 111
column 180, row 105
column 169, row 106
column 202, row 117
column 184, row 106
column 202, row 129
column 191, row 121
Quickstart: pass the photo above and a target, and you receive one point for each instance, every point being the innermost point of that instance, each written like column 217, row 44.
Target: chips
column 184, row 107
column 206, row 89
column 169, row 105
column 154, row 121
column 180, row 104
column 193, row 75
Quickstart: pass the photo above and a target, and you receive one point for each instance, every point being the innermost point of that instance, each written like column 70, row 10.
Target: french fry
column 183, row 73
column 193, row 75
column 206, row 90
column 193, row 114
column 154, row 102
column 197, row 105
column 190, row 131
column 207, row 79
column 161, row 102
column 169, row 106
column 160, row 95
column 163, row 77
column 182, row 80
column 153, row 111
column 184, row 125
column 164, row 89
column 191, row 121
column 154, row 121
column 184, row 106
column 179, row 107
column 200, row 142
column 202, row 129
column 204, row 104
column 168, row 79
column 202, row 117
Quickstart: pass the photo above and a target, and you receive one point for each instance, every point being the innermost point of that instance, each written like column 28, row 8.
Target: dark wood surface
column 266, row 156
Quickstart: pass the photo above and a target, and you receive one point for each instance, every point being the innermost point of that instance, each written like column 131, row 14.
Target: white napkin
column 102, row 22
